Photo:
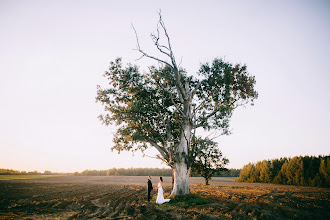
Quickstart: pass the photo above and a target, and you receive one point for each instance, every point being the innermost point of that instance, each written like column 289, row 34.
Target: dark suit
column 149, row 189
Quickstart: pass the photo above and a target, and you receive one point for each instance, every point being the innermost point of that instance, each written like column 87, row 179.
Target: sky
column 53, row 54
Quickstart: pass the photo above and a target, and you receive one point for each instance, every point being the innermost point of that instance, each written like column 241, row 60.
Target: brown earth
column 125, row 198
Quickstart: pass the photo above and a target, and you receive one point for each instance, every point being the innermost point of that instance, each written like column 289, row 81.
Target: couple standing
column 160, row 197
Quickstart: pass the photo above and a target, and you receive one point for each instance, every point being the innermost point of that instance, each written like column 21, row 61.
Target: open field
column 70, row 197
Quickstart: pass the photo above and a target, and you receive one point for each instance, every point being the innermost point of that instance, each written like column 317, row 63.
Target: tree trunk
column 172, row 178
column 181, row 170
column 181, row 179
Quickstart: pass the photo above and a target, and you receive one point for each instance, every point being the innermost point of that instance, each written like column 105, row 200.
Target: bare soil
column 71, row 197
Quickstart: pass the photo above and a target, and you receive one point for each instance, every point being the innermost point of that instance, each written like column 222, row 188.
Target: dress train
column 160, row 196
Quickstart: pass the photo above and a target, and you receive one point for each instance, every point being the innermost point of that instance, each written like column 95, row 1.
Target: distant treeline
column 127, row 172
column 116, row 172
column 231, row 173
column 142, row 172
column 16, row 172
column 300, row 171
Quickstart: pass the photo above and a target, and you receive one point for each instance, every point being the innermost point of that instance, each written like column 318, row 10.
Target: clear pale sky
column 54, row 53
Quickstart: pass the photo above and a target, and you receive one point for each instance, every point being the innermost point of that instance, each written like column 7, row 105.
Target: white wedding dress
column 160, row 196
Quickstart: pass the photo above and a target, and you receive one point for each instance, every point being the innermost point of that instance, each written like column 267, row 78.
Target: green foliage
column 293, row 171
column 325, row 171
column 149, row 110
column 141, row 104
column 207, row 159
column 300, row 171
column 188, row 200
column 231, row 173
column 265, row 174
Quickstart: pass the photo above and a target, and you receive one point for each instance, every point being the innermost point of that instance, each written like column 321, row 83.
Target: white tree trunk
column 181, row 179
column 181, row 170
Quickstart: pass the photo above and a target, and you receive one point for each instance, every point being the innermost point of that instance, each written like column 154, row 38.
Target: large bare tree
column 164, row 106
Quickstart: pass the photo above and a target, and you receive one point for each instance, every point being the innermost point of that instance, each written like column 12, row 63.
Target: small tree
column 325, row 171
column 265, row 172
column 208, row 159
column 47, row 172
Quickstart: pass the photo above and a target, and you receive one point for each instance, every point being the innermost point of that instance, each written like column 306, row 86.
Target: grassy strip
column 24, row 177
column 191, row 199
column 188, row 200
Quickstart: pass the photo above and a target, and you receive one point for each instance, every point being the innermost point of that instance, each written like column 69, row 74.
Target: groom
column 149, row 187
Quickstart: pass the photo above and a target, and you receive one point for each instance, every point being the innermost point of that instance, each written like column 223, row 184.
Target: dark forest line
column 35, row 172
column 145, row 172
column 299, row 170
column 115, row 172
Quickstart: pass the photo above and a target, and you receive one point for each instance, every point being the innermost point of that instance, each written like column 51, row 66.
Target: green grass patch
column 188, row 200
column 191, row 199
column 24, row 177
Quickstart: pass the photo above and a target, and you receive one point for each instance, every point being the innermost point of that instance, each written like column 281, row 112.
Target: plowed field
column 125, row 198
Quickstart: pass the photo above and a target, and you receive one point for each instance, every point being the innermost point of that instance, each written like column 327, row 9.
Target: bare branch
column 180, row 62
column 137, row 38
column 175, row 67
column 158, row 45
column 222, row 133
column 145, row 54
column 170, row 54
column 161, row 22
column 150, row 156
column 160, row 149
column 140, row 58
column 213, row 132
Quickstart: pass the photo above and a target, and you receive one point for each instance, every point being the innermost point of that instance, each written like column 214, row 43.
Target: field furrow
column 72, row 199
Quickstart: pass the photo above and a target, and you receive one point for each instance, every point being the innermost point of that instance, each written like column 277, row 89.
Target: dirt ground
column 125, row 198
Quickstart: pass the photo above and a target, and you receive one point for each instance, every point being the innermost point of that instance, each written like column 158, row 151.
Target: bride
column 160, row 196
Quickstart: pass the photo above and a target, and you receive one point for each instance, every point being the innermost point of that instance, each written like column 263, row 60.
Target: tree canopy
column 162, row 106
column 150, row 112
